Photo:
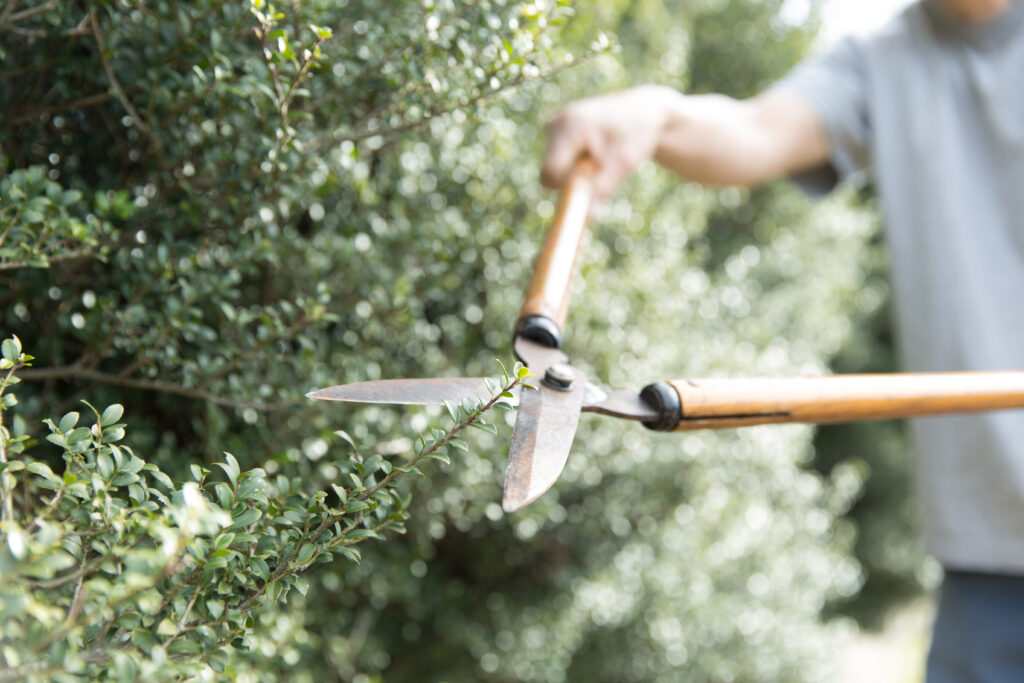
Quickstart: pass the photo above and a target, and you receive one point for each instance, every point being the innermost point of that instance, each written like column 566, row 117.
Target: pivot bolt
column 559, row 376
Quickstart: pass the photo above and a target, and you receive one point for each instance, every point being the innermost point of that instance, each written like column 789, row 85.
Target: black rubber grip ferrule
column 540, row 329
column 664, row 398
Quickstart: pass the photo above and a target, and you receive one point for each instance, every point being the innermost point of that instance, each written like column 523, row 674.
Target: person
column 932, row 106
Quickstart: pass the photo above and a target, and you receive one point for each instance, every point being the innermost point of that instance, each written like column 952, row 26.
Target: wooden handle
column 721, row 403
column 547, row 297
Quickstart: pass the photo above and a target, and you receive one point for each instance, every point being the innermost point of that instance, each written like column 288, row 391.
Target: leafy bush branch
column 112, row 568
column 41, row 222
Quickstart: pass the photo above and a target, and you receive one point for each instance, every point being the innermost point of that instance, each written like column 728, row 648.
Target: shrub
column 243, row 202
column 111, row 569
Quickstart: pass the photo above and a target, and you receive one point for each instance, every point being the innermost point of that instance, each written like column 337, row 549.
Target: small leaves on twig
column 201, row 557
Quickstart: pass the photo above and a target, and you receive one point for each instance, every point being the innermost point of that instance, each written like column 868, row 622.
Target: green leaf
column 95, row 412
column 133, row 465
column 504, row 372
column 42, row 470
column 225, row 496
column 167, row 628
column 356, row 506
column 125, row 478
column 453, row 410
column 273, row 591
column 344, row 436
column 523, row 372
column 106, row 465
column 144, row 639
column 230, row 468
column 184, row 646
column 161, row 478
column 111, row 415
column 259, row 567
column 137, row 493
column 305, row 553
column 218, row 661
column 294, row 517
column 215, row 608
column 459, row 443
column 443, row 457
column 78, row 435
column 252, row 485
column 484, row 427
column 11, row 348
column 362, row 533
column 351, row 553
column 247, row 517
column 11, row 467
column 299, row 583
column 342, row 494
column 68, row 421
column 223, row 540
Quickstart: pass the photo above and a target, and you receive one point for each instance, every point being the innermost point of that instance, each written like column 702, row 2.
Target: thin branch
column 32, row 11
column 81, row 103
column 188, row 608
column 301, row 76
column 61, row 580
column 81, row 28
column 120, row 93
column 66, row 256
column 78, row 372
column 49, row 506
column 286, row 568
column 9, row 8
column 484, row 93
column 5, row 491
column 78, row 601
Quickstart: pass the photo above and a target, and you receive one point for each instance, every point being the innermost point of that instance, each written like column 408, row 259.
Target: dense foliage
column 210, row 208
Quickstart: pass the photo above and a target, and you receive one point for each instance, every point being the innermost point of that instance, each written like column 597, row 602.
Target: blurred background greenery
column 217, row 242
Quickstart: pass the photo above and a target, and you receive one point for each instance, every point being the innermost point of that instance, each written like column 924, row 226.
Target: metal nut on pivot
column 559, row 376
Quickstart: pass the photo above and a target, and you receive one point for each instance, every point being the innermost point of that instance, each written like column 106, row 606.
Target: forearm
column 710, row 139
column 717, row 140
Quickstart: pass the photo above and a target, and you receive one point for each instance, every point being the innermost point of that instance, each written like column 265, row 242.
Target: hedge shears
column 549, row 413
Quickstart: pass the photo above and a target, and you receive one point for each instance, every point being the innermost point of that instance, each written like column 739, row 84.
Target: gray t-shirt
column 934, row 109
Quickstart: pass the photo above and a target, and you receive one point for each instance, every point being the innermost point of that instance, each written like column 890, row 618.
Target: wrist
column 667, row 109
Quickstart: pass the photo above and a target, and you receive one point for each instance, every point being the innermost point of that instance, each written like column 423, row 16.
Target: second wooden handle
column 548, row 293
column 718, row 403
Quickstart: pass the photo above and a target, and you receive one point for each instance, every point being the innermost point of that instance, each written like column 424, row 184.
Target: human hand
column 618, row 131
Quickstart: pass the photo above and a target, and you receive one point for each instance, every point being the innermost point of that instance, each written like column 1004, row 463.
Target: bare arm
column 711, row 139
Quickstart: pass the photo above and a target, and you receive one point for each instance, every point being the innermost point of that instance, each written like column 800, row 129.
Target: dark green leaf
column 247, row 517
column 305, row 553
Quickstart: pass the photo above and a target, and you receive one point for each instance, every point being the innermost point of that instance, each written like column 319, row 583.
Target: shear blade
column 545, row 426
column 430, row 391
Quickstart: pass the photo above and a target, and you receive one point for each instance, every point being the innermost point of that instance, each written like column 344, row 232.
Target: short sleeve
column 835, row 85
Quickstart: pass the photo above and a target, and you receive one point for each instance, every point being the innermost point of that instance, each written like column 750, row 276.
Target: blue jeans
column 979, row 630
